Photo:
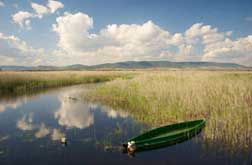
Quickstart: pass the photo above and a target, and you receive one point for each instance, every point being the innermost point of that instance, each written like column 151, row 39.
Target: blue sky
column 230, row 26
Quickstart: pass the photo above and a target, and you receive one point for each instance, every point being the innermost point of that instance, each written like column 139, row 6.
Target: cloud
column 125, row 41
column 2, row 4
column 73, row 31
column 54, row 5
column 16, row 43
column 77, row 43
column 39, row 9
column 22, row 19
column 14, row 50
column 146, row 41
column 229, row 50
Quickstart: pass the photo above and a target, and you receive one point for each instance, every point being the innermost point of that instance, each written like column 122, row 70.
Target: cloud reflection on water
column 110, row 112
column 25, row 123
column 74, row 115
column 57, row 134
column 69, row 113
column 13, row 104
column 42, row 132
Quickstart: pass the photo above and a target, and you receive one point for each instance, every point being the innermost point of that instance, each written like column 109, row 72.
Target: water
column 31, row 128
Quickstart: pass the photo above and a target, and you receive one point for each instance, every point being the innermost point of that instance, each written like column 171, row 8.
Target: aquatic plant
column 163, row 97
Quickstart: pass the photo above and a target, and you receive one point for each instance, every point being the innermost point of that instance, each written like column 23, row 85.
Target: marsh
column 96, row 118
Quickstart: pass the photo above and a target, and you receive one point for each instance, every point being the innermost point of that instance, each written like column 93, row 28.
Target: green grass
column 27, row 82
column 159, row 98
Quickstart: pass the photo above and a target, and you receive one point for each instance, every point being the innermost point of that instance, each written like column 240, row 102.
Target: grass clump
column 158, row 98
column 28, row 81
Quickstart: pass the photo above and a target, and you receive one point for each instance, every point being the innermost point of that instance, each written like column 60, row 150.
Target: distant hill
column 133, row 65
column 166, row 64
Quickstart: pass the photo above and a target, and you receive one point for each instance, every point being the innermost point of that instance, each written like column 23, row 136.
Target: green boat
column 165, row 136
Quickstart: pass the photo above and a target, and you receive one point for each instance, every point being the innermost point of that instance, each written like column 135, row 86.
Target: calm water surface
column 31, row 127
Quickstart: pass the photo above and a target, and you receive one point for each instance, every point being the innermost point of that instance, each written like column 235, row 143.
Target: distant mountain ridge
column 132, row 65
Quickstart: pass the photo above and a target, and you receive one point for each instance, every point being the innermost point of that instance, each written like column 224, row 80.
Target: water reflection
column 57, row 134
column 69, row 113
column 3, row 138
column 12, row 104
column 42, row 131
column 110, row 112
column 25, row 123
column 74, row 115
column 31, row 127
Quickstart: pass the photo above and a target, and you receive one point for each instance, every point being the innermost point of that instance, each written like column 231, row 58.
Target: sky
column 89, row 32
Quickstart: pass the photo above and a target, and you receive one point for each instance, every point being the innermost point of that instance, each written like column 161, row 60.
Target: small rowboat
column 165, row 136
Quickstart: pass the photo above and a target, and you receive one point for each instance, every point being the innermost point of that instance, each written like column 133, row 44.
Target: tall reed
column 158, row 98
column 12, row 82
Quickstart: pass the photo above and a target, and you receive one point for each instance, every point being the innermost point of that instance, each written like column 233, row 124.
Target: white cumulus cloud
column 113, row 42
column 39, row 9
column 16, row 43
column 237, row 50
column 146, row 41
column 14, row 50
column 73, row 31
column 76, row 43
column 54, row 5
column 21, row 19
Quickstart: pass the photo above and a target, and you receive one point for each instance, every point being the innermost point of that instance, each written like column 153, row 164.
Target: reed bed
column 158, row 98
column 14, row 82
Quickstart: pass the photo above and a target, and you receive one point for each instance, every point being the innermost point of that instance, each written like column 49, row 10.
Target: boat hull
column 148, row 141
